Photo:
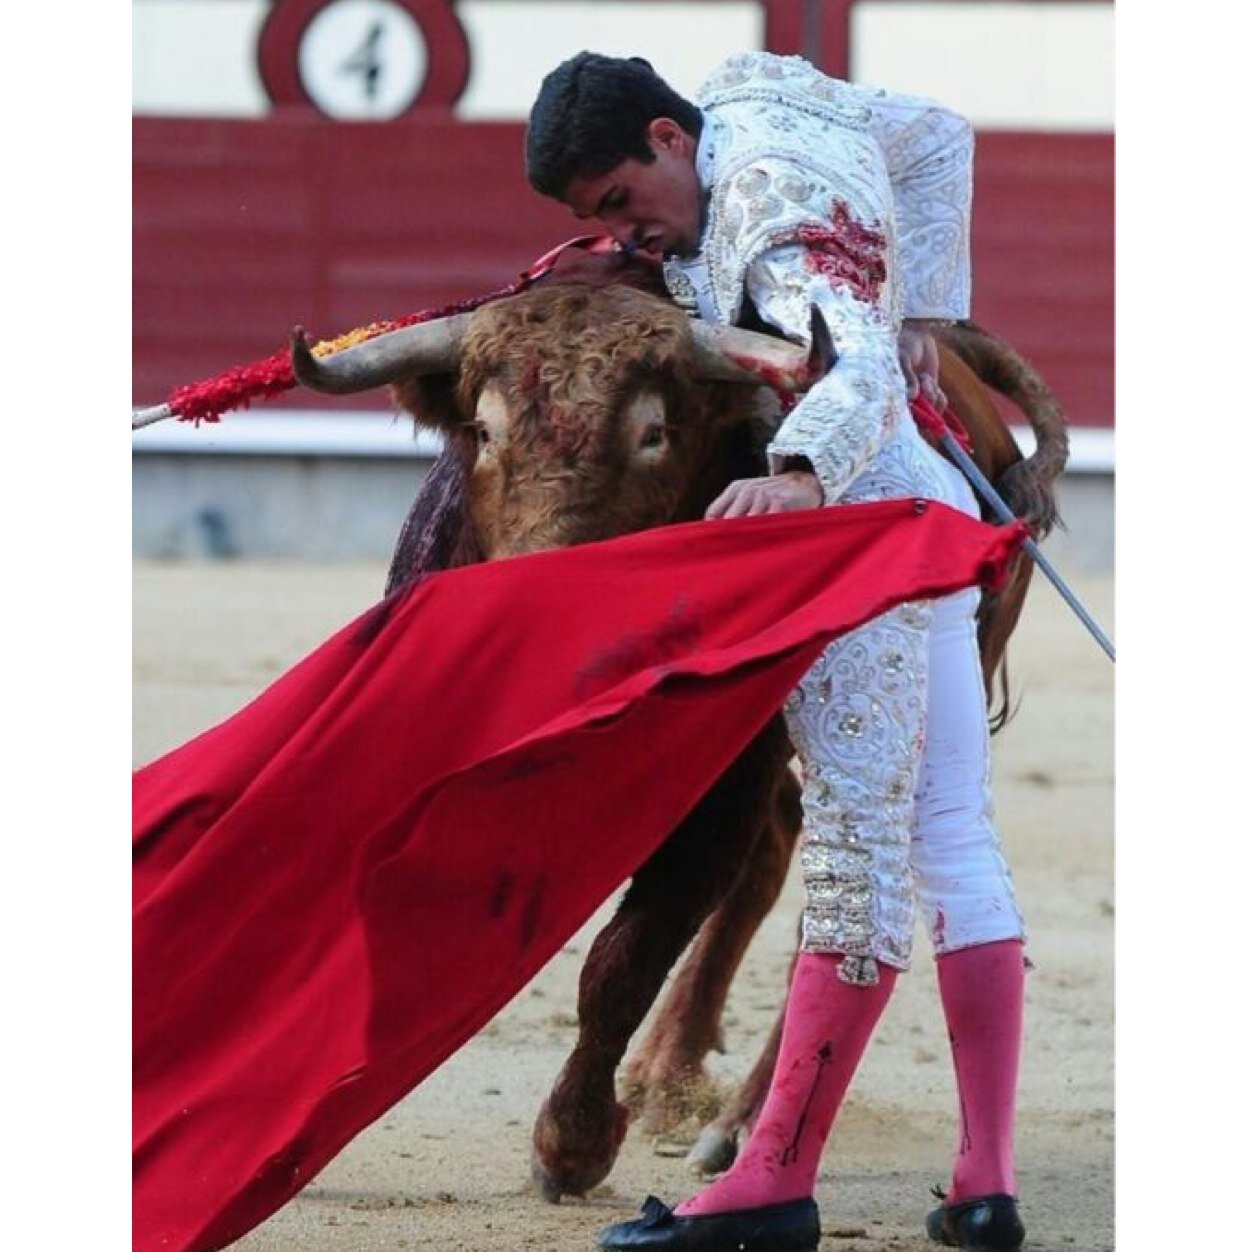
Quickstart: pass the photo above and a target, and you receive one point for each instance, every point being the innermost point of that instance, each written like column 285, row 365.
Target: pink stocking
column 827, row 1027
column 982, row 990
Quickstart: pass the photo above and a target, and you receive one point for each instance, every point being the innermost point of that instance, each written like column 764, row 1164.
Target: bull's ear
column 724, row 405
column 431, row 400
column 438, row 533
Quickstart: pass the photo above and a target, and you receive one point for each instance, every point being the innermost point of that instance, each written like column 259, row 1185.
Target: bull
column 590, row 407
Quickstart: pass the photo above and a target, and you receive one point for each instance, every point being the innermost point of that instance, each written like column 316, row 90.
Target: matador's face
column 651, row 205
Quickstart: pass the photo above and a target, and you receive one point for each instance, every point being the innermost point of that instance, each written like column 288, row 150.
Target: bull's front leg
column 666, row 1079
column 717, row 1145
column 580, row 1127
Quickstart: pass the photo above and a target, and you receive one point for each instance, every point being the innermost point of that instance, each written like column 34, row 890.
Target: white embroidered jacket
column 825, row 193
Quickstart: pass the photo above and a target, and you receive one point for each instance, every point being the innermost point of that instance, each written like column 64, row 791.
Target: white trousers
column 890, row 727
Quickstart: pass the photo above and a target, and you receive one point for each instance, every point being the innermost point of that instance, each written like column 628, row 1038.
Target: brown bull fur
column 995, row 452
column 576, row 416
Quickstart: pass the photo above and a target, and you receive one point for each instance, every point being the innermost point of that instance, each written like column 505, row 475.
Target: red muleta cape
column 338, row 886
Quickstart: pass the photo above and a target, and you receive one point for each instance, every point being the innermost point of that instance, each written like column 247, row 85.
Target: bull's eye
column 491, row 422
column 653, row 435
column 646, row 433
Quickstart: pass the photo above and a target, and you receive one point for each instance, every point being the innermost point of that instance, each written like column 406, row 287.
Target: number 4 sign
column 366, row 60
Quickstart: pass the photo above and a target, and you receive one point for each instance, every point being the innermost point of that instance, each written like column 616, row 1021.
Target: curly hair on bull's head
column 592, row 113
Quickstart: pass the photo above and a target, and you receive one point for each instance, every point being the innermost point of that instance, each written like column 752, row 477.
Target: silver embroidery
column 857, row 720
column 680, row 286
column 763, row 105
column 784, row 144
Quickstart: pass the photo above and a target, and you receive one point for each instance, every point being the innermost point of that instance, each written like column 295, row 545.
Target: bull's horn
column 727, row 354
column 427, row 348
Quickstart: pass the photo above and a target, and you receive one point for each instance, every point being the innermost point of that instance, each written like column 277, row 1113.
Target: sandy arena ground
column 447, row 1167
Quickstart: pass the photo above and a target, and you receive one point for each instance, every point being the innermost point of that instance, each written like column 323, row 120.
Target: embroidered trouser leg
column 857, row 721
column 890, row 728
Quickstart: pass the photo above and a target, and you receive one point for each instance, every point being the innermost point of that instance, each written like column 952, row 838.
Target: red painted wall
column 1043, row 259
column 243, row 229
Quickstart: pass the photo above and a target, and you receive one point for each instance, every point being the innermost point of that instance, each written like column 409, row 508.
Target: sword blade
column 1005, row 514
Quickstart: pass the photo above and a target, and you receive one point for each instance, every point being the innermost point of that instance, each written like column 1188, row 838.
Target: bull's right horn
column 426, row 348
column 728, row 354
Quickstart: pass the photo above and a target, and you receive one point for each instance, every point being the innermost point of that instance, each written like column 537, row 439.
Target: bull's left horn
column 426, row 348
column 728, row 354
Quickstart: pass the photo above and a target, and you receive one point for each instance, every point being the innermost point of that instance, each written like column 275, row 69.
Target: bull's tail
column 1028, row 487
column 998, row 614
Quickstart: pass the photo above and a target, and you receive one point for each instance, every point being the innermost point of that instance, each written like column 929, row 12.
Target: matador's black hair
column 592, row 113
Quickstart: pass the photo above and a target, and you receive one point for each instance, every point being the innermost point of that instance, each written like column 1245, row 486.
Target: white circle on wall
column 363, row 59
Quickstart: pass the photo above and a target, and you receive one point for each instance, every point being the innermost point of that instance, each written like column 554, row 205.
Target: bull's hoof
column 714, row 1151
column 545, row 1183
column 561, row 1178
column 572, row 1160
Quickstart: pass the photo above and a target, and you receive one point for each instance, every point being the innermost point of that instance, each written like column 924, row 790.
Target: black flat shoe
column 987, row 1224
column 790, row 1227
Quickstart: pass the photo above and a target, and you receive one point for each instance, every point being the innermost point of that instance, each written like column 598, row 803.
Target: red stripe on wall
column 243, row 229
column 1043, row 255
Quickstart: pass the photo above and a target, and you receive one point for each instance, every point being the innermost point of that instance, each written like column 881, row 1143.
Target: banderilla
column 1005, row 514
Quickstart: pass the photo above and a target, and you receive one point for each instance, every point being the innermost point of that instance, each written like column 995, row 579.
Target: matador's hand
column 779, row 493
column 919, row 359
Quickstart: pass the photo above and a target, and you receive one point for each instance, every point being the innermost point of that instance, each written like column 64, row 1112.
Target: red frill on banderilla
column 238, row 387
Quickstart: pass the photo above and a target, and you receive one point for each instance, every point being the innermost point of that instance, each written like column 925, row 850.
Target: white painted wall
column 194, row 58
column 514, row 45
column 1005, row 65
